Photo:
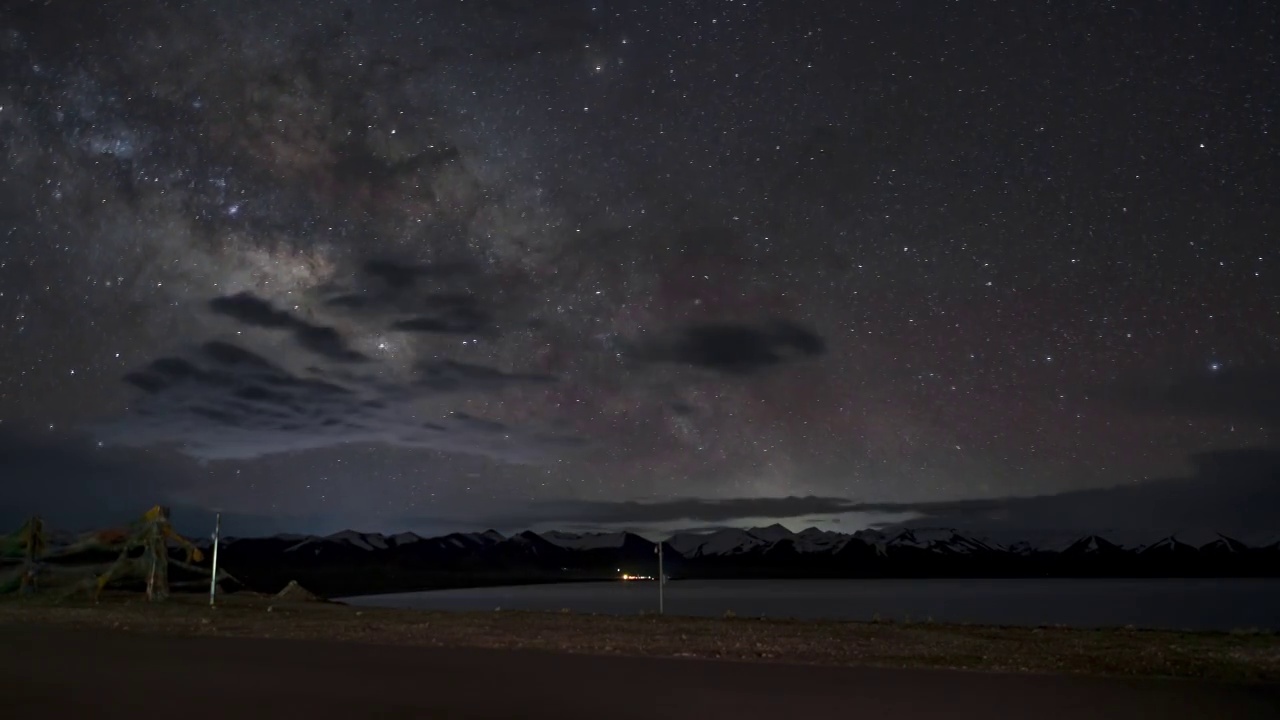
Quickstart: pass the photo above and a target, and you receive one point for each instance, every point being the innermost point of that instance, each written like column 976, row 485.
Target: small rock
column 359, row 613
column 271, row 608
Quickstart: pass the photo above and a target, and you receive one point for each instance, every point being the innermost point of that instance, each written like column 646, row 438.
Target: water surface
column 1195, row 604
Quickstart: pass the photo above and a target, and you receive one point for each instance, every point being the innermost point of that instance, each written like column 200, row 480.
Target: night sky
column 459, row 264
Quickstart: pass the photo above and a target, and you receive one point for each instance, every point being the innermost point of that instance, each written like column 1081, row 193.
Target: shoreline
column 320, row 581
column 1238, row 656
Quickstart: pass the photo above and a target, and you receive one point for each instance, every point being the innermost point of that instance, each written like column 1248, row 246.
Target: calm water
column 1183, row 604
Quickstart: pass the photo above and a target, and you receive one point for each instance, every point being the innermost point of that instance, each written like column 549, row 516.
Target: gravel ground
column 1247, row 656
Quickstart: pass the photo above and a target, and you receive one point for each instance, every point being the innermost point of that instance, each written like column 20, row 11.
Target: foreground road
column 67, row 673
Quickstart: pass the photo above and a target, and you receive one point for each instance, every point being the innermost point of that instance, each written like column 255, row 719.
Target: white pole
column 213, row 577
column 662, row 580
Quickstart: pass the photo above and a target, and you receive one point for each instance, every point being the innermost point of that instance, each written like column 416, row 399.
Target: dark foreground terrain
column 46, row 672
column 1241, row 657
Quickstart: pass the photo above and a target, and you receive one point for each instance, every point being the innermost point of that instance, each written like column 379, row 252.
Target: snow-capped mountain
column 729, row 541
column 364, row 541
column 585, row 541
column 405, row 538
column 1200, row 539
column 813, row 540
column 932, row 540
column 1092, row 545
column 351, row 562
column 360, row 541
column 735, row 541
column 1171, row 544
column 370, row 542
column 772, row 533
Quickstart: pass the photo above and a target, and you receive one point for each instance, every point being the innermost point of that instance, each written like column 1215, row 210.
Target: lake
column 1193, row 604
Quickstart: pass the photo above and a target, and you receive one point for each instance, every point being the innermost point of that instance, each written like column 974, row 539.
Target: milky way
column 415, row 265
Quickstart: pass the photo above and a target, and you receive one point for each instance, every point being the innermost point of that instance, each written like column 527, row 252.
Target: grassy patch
column 1242, row 656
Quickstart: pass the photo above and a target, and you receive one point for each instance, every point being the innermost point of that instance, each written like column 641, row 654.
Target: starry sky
column 437, row 266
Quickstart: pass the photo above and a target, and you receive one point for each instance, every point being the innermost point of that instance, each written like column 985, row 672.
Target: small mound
column 294, row 592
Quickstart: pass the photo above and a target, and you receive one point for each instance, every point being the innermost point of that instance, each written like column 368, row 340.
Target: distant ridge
column 354, row 563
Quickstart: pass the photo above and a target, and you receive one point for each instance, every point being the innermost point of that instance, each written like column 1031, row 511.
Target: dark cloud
column 1233, row 491
column 1235, row 393
column 451, row 376
column 517, row 32
column 251, row 310
column 230, row 403
column 48, row 473
column 408, row 297
column 326, row 342
column 693, row 510
column 319, row 339
column 732, row 348
column 75, row 486
column 682, row 408
column 402, row 275
column 446, row 313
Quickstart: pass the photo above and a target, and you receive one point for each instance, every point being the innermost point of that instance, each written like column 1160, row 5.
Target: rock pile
column 293, row 592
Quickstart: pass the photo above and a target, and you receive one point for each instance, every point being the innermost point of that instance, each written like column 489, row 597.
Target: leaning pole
column 661, row 580
column 213, row 574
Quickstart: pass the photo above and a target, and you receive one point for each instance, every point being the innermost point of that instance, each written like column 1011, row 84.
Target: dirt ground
column 73, row 673
column 1246, row 656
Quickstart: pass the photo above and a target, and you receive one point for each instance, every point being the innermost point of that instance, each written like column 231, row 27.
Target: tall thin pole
column 213, row 576
column 662, row 580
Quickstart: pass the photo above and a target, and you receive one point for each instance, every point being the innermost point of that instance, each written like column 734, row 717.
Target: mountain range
column 355, row 563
